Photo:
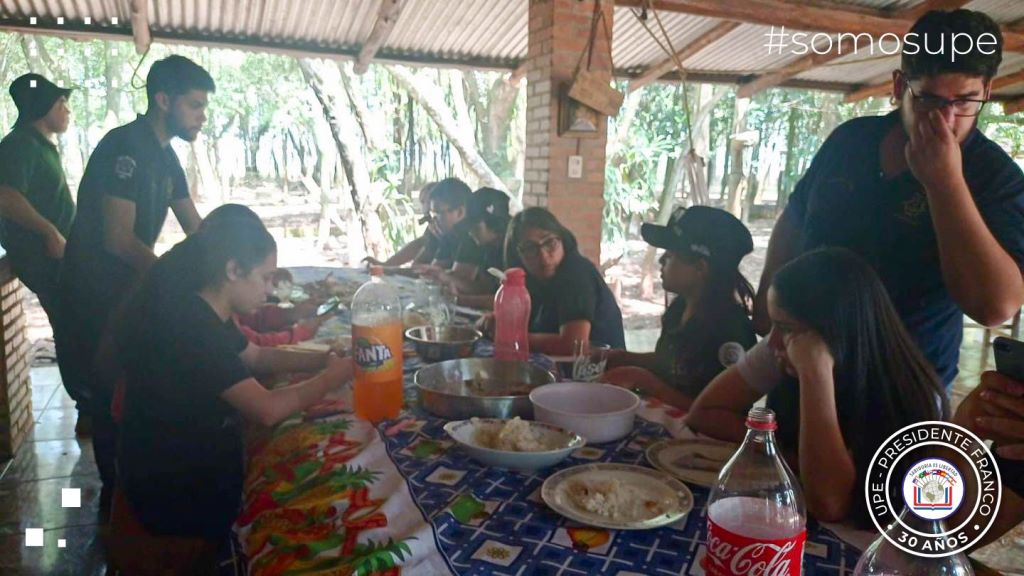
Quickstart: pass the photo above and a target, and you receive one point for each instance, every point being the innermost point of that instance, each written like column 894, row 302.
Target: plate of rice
column 617, row 496
column 514, row 443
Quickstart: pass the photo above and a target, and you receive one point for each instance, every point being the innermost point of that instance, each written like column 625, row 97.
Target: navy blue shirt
column 844, row 200
column 576, row 292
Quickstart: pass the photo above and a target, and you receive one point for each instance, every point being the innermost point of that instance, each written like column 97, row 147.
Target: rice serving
column 514, row 436
column 613, row 499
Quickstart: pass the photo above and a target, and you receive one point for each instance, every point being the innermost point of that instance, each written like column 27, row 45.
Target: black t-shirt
column 689, row 356
column 490, row 255
column 456, row 241
column 843, row 200
column 128, row 163
column 181, row 454
column 576, row 292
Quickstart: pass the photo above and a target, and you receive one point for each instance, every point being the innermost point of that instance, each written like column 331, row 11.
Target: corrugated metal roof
column 480, row 33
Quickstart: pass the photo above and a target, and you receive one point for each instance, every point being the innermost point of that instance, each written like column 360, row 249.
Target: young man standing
column 132, row 179
column 35, row 204
column 931, row 203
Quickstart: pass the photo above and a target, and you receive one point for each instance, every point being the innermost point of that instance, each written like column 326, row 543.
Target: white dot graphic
column 70, row 498
column 62, row 543
column 60, row 20
column 33, row 537
column 33, row 20
column 113, row 21
column 87, row 20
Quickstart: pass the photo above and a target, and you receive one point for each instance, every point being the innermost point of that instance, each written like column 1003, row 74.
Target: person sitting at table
column 994, row 410
column 840, row 371
column 189, row 382
column 413, row 251
column 707, row 327
column 271, row 324
column 469, row 281
column 570, row 301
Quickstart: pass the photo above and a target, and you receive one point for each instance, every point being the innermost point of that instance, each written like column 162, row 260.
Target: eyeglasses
column 964, row 107
column 531, row 249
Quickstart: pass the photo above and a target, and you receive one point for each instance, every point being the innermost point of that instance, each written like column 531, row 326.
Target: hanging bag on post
column 588, row 87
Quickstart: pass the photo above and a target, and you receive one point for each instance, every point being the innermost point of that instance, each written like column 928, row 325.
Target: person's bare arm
column 404, row 255
column 16, row 208
column 981, row 276
column 783, row 246
column 561, row 344
column 268, row 407
column 720, row 411
column 619, row 358
column 826, row 468
column 119, row 234
column 187, row 215
column 268, row 360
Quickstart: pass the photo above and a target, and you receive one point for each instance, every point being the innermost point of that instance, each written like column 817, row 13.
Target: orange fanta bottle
column 377, row 349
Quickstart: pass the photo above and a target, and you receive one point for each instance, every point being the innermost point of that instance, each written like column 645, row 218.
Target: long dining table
column 328, row 493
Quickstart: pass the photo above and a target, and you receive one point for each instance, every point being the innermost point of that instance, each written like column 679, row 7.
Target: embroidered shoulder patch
column 124, row 168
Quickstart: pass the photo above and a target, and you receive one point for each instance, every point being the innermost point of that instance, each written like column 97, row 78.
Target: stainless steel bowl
column 481, row 387
column 437, row 343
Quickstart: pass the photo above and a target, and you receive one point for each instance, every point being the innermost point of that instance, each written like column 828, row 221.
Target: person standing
column 935, row 207
column 35, row 203
column 131, row 180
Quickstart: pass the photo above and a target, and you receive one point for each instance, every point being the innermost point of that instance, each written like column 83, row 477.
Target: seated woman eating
column 841, row 373
column 570, row 300
column 188, row 384
column 469, row 280
column 707, row 327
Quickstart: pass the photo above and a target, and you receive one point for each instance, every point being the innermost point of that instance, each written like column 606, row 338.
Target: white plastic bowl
column 598, row 412
column 464, row 432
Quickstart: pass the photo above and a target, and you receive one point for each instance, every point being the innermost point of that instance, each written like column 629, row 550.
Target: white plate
column 674, row 499
column 676, row 456
column 464, row 433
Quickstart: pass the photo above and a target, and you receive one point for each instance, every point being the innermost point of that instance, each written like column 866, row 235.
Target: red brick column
column 558, row 35
column 15, row 384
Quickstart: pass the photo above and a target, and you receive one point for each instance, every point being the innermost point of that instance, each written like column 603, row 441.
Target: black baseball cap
column 703, row 231
column 487, row 201
column 34, row 96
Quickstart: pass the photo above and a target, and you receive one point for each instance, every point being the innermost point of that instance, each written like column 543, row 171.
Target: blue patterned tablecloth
column 485, row 521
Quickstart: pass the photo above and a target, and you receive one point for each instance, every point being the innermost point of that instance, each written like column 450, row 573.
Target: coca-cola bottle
column 756, row 518
column 882, row 558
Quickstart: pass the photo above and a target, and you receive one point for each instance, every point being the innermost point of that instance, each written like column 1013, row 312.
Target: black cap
column 703, row 231
column 34, row 96
column 487, row 201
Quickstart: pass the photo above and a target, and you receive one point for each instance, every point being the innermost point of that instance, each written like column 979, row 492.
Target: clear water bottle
column 756, row 516
column 377, row 349
column 512, row 317
column 883, row 558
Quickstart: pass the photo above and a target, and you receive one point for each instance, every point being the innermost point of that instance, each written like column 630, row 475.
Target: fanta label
column 731, row 554
column 377, row 351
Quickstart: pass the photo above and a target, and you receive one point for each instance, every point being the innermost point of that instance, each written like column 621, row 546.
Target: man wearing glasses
column 935, row 206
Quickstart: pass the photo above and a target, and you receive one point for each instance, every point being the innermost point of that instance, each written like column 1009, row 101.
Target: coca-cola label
column 730, row 554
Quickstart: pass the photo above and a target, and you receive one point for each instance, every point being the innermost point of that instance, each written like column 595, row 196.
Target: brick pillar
column 558, row 35
column 15, row 384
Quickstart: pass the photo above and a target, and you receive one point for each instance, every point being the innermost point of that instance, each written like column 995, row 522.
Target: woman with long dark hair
column 707, row 327
column 188, row 382
column 571, row 301
column 839, row 369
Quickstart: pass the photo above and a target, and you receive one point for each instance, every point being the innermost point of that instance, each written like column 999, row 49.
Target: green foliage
column 373, row 557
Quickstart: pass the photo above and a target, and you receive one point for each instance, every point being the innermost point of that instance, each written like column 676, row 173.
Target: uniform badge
column 730, row 353
column 124, row 168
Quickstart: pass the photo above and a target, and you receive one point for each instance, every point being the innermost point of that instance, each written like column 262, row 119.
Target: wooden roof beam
column 806, row 16
column 1014, row 106
column 1000, row 82
column 139, row 11
column 387, row 16
column 669, row 64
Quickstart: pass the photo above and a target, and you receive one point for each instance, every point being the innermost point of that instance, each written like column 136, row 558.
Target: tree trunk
column 498, row 121
column 353, row 90
column 737, row 150
column 325, row 81
column 428, row 95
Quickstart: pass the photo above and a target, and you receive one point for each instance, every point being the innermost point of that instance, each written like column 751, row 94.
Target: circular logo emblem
column 933, row 489
column 730, row 353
